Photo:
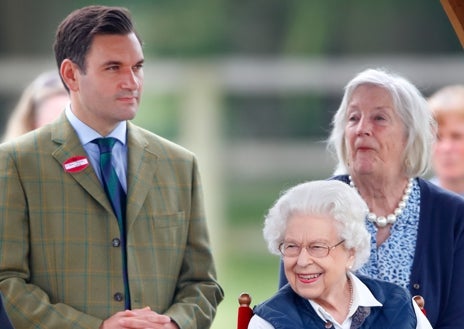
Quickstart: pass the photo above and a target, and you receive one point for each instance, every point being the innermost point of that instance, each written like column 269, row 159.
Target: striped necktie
column 110, row 180
column 117, row 197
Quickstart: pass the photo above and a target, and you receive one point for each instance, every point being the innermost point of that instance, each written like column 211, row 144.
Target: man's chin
column 129, row 114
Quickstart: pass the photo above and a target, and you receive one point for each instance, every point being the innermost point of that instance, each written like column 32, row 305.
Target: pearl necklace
column 350, row 284
column 382, row 221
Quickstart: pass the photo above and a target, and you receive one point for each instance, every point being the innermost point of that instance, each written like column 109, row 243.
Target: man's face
column 110, row 89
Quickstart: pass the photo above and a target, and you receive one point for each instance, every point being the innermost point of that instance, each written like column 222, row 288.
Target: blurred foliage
column 159, row 113
column 279, row 116
column 183, row 28
column 250, row 208
column 186, row 28
column 245, row 271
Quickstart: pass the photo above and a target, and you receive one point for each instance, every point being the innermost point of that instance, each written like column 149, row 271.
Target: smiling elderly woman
column 318, row 228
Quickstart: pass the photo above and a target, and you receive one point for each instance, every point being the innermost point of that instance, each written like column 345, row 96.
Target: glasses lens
column 315, row 250
column 290, row 249
column 318, row 250
column 293, row 250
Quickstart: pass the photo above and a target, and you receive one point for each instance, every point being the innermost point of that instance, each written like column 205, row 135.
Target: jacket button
column 116, row 242
column 416, row 286
column 118, row 297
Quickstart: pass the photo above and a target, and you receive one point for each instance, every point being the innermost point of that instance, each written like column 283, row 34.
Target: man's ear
column 70, row 73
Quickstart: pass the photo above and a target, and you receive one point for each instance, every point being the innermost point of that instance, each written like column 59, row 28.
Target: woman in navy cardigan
column 318, row 228
column 382, row 136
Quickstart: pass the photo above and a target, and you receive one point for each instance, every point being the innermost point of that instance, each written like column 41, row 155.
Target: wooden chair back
column 244, row 311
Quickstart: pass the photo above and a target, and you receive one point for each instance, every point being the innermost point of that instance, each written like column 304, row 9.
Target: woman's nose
column 363, row 127
column 304, row 258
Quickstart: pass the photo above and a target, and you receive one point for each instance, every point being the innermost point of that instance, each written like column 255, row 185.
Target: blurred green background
column 250, row 87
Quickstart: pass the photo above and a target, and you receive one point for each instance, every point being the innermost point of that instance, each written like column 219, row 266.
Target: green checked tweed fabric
column 60, row 258
column 117, row 197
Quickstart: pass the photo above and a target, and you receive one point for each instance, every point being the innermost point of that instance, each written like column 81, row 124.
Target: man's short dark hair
column 75, row 33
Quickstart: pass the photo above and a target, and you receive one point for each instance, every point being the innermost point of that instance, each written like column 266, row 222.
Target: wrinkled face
column 110, row 89
column 375, row 136
column 448, row 151
column 311, row 277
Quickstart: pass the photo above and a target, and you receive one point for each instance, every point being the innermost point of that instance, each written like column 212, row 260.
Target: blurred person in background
column 447, row 105
column 103, row 223
column 382, row 136
column 40, row 103
column 318, row 228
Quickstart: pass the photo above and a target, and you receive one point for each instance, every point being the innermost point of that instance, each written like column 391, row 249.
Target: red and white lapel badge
column 75, row 164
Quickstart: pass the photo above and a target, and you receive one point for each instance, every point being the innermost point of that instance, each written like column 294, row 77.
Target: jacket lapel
column 141, row 168
column 68, row 146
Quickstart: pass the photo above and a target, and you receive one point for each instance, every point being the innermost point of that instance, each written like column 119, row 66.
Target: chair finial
column 244, row 299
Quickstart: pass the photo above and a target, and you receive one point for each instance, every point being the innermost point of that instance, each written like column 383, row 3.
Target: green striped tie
column 117, row 197
column 111, row 183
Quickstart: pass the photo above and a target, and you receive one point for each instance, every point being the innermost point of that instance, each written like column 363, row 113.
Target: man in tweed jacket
column 60, row 243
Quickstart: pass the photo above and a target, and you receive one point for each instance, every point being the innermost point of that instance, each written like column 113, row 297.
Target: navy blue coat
column 438, row 266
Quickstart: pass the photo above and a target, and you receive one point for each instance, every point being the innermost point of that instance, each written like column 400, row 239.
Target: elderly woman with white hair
column 318, row 228
column 382, row 136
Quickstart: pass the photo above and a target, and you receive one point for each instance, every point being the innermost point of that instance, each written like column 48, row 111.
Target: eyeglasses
column 318, row 250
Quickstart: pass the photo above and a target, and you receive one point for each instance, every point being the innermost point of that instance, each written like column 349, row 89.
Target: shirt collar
column 362, row 296
column 87, row 134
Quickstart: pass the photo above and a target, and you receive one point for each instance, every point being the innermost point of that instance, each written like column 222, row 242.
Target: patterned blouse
column 392, row 260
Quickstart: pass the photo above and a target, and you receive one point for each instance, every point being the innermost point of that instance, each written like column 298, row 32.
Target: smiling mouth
column 309, row 276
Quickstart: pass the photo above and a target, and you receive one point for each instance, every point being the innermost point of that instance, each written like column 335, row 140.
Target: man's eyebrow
column 140, row 61
column 109, row 63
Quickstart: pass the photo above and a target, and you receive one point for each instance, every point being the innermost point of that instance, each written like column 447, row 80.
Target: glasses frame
column 308, row 249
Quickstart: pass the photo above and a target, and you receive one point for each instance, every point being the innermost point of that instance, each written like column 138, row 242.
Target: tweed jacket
column 60, row 263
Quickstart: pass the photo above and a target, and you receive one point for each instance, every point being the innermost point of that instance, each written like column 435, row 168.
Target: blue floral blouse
column 392, row 260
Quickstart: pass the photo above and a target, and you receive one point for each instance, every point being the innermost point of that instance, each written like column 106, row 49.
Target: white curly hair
column 331, row 198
